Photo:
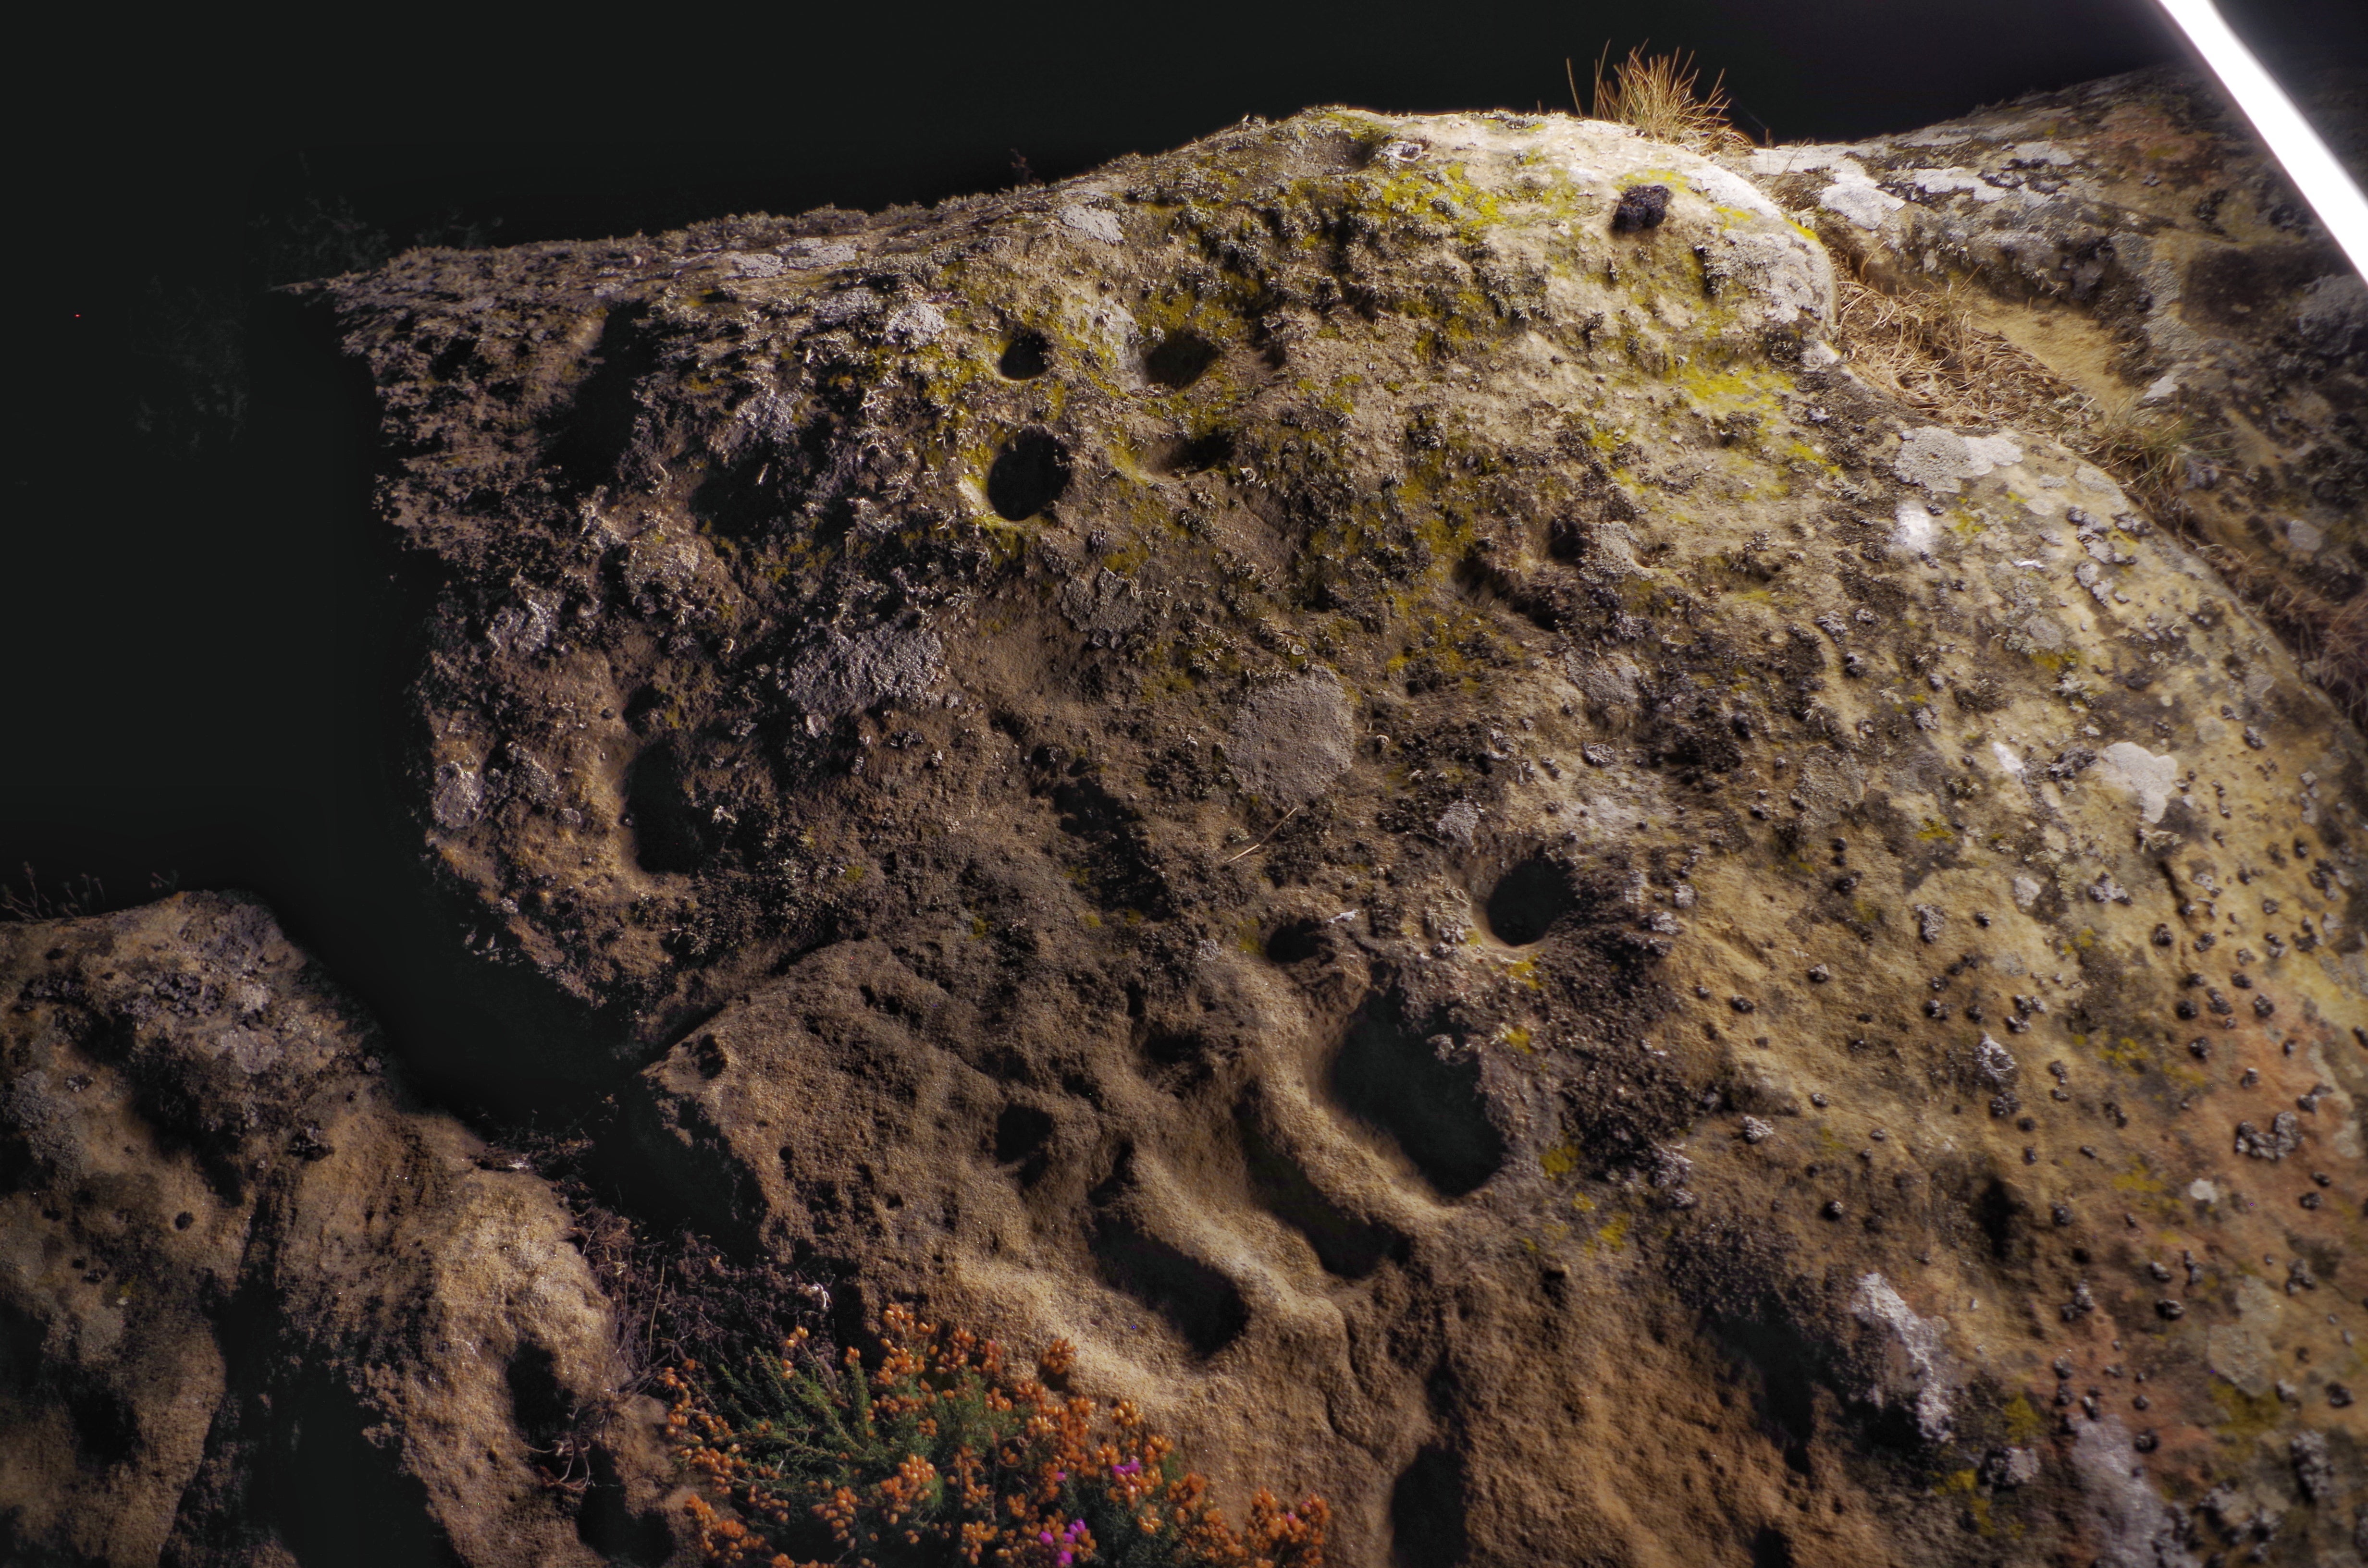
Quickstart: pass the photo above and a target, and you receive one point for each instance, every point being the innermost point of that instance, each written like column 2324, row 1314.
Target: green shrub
column 942, row 1456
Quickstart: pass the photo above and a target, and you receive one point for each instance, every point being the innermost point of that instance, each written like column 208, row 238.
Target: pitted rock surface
column 256, row 1311
column 2135, row 237
column 1409, row 815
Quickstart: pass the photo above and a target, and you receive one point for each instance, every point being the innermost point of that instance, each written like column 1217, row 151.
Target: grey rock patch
column 459, row 799
column 1830, row 785
column 1458, row 823
column 1916, row 1364
column 2131, row 1524
column 849, row 304
column 2332, row 316
column 1094, row 223
column 1288, row 741
column 914, row 322
column 2129, row 766
column 1940, row 460
column 840, row 673
column 818, row 254
column 2314, row 1467
column 1104, row 602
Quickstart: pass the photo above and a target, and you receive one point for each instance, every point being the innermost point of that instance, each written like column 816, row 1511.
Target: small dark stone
column 2171, row 1310
column 1640, row 207
column 1743, row 1004
column 2061, row 1213
column 2338, row 1395
column 1833, row 1209
column 2144, row 1442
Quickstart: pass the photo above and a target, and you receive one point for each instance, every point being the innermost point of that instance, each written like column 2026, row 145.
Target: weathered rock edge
column 1691, row 1057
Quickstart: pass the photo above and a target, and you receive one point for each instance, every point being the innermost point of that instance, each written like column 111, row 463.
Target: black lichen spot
column 1030, row 474
column 1026, row 357
column 1640, row 207
column 1181, row 359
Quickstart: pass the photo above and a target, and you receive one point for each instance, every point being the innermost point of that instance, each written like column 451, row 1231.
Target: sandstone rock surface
column 257, row 1311
column 1511, row 895
column 2135, row 238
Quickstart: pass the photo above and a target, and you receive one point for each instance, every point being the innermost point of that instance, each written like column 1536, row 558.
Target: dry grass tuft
column 1923, row 347
column 83, row 896
column 1661, row 96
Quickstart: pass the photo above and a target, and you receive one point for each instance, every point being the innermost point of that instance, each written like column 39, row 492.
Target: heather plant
column 945, row 1455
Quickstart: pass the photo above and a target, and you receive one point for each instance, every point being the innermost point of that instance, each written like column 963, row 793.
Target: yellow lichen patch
column 2243, row 1417
column 1559, row 1161
column 1964, row 1486
column 2125, row 1053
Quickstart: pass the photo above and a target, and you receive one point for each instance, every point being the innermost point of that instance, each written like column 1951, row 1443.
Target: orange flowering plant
column 943, row 1455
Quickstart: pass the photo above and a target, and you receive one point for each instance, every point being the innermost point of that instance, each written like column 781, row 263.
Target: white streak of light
column 2322, row 181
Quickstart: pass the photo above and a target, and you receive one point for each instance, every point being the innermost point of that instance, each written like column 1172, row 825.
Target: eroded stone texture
column 1407, row 813
column 1734, row 1051
column 2135, row 237
column 256, row 1310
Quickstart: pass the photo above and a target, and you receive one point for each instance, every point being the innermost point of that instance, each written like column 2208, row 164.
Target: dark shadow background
column 196, row 629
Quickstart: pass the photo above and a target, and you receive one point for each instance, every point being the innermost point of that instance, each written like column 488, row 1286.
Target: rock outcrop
column 1351, row 767
column 255, row 1310
column 2133, row 236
